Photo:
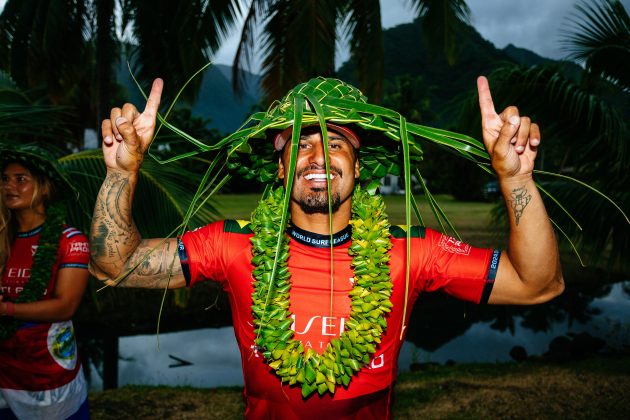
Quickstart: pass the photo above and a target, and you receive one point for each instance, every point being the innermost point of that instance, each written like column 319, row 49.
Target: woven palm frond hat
column 339, row 106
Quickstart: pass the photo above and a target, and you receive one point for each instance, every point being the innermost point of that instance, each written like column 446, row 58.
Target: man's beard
column 316, row 201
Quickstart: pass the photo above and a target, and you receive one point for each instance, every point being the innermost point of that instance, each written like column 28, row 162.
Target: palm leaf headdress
column 389, row 144
column 322, row 100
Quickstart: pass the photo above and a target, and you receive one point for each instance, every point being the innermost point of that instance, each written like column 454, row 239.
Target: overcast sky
column 533, row 24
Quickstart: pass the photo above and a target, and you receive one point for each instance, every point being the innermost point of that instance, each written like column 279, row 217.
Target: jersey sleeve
column 463, row 271
column 74, row 250
column 206, row 253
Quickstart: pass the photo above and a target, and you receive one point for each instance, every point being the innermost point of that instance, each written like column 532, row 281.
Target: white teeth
column 317, row 176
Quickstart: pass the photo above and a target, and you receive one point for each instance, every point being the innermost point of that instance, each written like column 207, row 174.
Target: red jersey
column 221, row 251
column 39, row 362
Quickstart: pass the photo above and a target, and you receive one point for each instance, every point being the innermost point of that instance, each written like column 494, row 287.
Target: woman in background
column 44, row 274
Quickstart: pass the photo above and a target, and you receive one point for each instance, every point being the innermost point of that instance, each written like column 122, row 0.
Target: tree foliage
column 299, row 39
column 67, row 51
column 585, row 127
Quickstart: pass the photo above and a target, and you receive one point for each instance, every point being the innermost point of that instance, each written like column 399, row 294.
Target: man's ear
column 357, row 169
column 280, row 168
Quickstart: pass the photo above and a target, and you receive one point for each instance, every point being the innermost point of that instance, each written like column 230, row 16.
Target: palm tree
column 299, row 39
column 586, row 125
column 69, row 50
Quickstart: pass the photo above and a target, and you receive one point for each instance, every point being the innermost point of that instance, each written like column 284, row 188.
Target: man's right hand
column 127, row 133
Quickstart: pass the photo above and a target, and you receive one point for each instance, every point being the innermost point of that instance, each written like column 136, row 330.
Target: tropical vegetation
column 585, row 120
column 70, row 51
column 299, row 39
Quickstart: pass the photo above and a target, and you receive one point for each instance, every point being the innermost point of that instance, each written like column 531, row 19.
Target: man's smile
column 317, row 177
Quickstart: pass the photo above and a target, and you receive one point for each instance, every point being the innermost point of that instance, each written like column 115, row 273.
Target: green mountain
column 218, row 102
column 524, row 56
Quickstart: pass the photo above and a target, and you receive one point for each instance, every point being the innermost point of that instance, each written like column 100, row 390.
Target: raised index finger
column 153, row 103
column 485, row 98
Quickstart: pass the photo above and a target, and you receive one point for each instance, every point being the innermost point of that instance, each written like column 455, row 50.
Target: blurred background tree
column 298, row 39
column 68, row 51
column 584, row 118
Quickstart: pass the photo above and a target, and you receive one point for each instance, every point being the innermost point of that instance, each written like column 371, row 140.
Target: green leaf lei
column 41, row 270
column 370, row 297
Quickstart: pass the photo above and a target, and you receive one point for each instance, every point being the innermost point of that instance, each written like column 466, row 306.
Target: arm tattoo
column 520, row 200
column 113, row 236
column 152, row 266
column 118, row 253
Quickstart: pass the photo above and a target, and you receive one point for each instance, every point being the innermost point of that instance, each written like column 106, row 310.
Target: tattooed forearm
column 119, row 255
column 520, row 200
column 113, row 235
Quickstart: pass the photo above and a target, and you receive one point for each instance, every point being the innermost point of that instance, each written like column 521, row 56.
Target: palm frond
column 258, row 9
column 605, row 235
column 175, row 39
column 20, row 119
column 298, row 43
column 577, row 123
column 600, row 38
column 558, row 103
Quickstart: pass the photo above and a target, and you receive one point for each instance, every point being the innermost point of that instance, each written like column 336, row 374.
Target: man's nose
column 317, row 155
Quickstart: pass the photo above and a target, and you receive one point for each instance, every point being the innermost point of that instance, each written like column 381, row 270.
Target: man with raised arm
column 335, row 331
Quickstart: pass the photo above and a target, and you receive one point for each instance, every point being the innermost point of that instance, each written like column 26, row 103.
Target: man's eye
column 335, row 146
column 303, row 145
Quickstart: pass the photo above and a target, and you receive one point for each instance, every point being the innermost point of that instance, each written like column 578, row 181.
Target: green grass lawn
column 593, row 388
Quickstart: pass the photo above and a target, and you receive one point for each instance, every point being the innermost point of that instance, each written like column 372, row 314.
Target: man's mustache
column 314, row 167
